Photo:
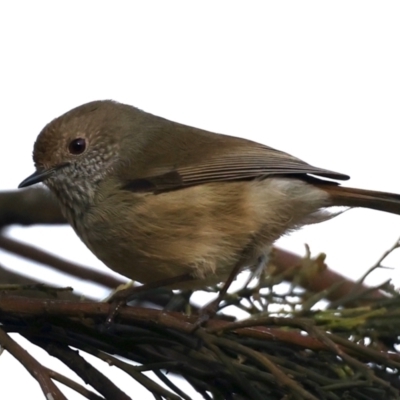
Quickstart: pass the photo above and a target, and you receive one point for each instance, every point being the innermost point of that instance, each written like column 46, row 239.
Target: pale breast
column 204, row 229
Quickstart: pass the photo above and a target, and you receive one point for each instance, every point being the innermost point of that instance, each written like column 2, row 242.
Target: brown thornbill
column 154, row 199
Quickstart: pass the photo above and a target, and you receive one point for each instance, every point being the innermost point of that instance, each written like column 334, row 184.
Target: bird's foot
column 126, row 292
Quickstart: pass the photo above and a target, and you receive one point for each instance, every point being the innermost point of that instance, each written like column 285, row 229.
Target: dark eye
column 77, row 146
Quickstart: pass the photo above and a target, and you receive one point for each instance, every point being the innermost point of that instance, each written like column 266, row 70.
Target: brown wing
column 181, row 156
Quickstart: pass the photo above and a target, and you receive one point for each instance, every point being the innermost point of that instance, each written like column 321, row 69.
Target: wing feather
column 185, row 156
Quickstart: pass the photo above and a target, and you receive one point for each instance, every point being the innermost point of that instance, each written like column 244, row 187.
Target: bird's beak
column 39, row 176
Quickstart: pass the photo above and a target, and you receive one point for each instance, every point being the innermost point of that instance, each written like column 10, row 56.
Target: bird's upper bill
column 39, row 176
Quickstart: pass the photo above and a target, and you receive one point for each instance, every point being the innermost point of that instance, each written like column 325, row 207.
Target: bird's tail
column 351, row 197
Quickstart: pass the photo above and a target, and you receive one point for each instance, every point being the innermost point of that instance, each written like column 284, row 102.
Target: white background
column 320, row 80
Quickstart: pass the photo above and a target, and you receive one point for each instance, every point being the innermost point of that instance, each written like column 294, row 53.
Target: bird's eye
column 77, row 146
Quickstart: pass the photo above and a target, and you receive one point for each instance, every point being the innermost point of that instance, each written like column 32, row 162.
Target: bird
column 156, row 200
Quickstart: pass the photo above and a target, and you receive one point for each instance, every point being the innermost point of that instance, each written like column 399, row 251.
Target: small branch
column 149, row 384
column 28, row 207
column 266, row 363
column 230, row 366
column 286, row 261
column 82, row 368
column 73, row 385
column 324, row 338
column 395, row 246
column 42, row 257
column 40, row 373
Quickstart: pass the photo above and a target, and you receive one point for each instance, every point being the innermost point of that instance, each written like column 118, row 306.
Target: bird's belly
column 203, row 230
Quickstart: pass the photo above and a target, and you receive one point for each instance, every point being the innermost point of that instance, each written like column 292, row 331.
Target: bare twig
column 73, row 385
column 30, row 206
column 39, row 372
column 378, row 264
column 85, row 370
column 40, row 256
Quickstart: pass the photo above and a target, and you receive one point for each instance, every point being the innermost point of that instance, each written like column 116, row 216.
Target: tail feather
column 351, row 197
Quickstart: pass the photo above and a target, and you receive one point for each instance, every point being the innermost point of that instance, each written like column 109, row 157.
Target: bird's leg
column 123, row 296
column 209, row 310
column 259, row 267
